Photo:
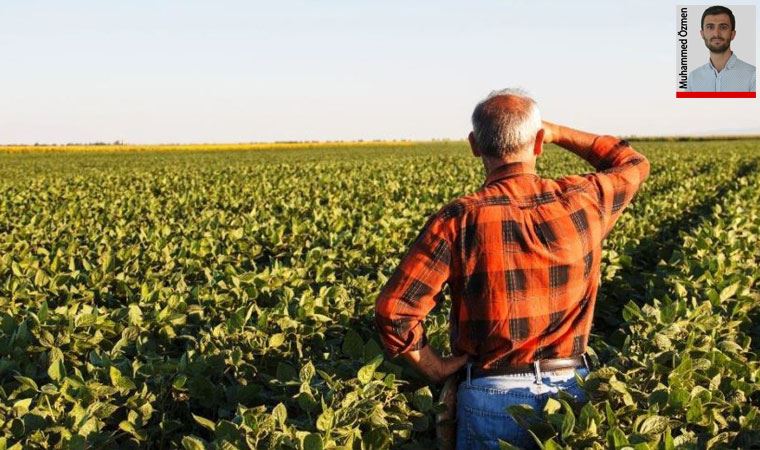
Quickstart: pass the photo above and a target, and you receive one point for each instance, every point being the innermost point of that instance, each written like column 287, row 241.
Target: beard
column 718, row 46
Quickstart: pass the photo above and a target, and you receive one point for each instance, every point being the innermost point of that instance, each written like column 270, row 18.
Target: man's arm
column 578, row 142
column 409, row 296
column 620, row 169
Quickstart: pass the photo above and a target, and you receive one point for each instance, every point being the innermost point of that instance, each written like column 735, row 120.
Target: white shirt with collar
column 736, row 76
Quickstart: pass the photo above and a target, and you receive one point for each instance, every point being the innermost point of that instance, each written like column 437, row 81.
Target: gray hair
column 500, row 130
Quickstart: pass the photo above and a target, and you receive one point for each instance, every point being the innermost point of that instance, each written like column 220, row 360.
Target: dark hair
column 715, row 10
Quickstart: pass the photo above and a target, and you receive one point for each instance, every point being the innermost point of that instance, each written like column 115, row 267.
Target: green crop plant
column 223, row 298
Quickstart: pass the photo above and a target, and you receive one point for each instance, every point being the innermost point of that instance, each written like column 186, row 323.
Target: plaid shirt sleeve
column 414, row 289
column 620, row 172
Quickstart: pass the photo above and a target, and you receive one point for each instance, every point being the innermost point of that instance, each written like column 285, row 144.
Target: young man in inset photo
column 724, row 72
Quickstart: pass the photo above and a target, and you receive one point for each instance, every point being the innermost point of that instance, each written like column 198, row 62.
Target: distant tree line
column 78, row 144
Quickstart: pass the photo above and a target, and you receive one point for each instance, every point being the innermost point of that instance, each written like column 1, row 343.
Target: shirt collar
column 731, row 61
column 729, row 64
column 509, row 170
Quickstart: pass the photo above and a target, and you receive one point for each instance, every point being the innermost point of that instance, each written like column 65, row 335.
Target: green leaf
column 376, row 439
column 276, row 340
column 179, row 382
column 75, row 442
column 131, row 429
column 695, row 414
column 524, row 415
column 280, row 414
column 503, row 445
column 285, row 372
column 609, row 414
column 423, row 399
column 372, row 350
column 667, row 440
column 367, row 371
column 16, row 269
column 312, row 441
column 568, row 422
column 56, row 371
column 658, row 398
column 106, row 262
column 678, row 398
column 120, row 381
column 85, row 320
column 21, row 407
column 631, row 311
column 653, row 425
column 589, row 418
column 42, row 313
column 325, row 420
column 715, row 382
column 551, row 444
column 135, row 315
column 46, row 338
column 719, row 441
column 616, row 438
column 353, row 345
column 236, row 356
column 236, row 234
column 227, row 431
column 729, row 291
column 680, row 290
column 27, row 383
column 552, row 406
column 618, row 386
column 307, row 372
column 205, row 423
column 193, row 443
column 307, row 402
column 662, row 342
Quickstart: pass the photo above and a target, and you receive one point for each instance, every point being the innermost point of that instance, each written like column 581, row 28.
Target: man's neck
column 492, row 164
column 719, row 60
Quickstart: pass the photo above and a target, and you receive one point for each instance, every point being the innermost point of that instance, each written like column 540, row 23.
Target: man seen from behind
column 522, row 258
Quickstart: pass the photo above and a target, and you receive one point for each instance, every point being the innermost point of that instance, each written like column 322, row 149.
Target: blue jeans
column 482, row 417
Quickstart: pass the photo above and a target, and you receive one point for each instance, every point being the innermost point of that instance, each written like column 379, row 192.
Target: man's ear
column 473, row 144
column 702, row 33
column 733, row 35
column 538, row 146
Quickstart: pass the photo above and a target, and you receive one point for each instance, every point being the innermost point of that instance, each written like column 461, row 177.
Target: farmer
column 521, row 257
column 724, row 72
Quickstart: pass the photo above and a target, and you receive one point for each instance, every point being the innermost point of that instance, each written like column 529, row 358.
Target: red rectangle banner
column 716, row 94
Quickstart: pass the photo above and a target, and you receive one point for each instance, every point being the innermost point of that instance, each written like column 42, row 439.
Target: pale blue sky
column 233, row 71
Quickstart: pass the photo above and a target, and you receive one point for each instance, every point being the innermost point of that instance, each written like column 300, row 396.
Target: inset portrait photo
column 716, row 51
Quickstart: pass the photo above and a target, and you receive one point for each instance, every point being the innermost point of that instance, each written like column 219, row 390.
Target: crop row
column 225, row 298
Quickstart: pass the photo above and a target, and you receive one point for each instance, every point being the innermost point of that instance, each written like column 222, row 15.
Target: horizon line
column 120, row 143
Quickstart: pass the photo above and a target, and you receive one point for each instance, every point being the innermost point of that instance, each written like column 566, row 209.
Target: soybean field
column 223, row 298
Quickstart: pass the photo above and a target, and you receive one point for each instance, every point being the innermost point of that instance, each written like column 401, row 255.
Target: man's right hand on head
column 551, row 131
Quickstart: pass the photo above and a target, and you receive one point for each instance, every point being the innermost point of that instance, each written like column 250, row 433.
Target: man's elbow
column 639, row 160
column 646, row 168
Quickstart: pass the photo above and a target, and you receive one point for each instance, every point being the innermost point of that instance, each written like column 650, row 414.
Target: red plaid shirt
column 522, row 260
